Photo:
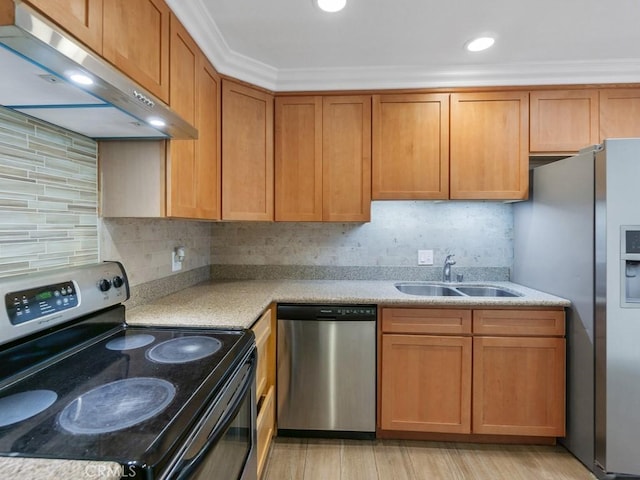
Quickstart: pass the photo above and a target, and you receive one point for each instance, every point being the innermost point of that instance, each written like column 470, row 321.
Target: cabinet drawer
column 426, row 320
column 519, row 322
column 265, row 425
column 262, row 330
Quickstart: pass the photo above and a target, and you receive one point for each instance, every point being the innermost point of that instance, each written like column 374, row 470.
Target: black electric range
column 93, row 387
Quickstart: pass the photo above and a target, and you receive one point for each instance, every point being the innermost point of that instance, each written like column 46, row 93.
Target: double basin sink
column 436, row 289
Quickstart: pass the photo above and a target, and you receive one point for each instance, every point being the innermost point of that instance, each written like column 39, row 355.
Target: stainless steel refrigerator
column 578, row 237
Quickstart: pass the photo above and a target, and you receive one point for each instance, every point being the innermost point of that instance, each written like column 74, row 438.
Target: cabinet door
column 519, row 386
column 619, row 113
column 136, row 40
column 208, row 169
column 410, row 146
column 81, row 18
column 563, row 121
column 183, row 72
column 519, row 322
column 489, row 156
column 193, row 166
column 247, row 153
column 346, row 158
column 442, row 321
column 298, row 158
column 426, row 383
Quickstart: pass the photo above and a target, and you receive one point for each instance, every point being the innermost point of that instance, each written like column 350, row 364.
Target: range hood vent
column 37, row 61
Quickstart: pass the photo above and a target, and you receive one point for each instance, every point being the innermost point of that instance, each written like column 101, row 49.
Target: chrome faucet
column 446, row 270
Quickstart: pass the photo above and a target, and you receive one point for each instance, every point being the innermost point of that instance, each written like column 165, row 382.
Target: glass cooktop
column 129, row 397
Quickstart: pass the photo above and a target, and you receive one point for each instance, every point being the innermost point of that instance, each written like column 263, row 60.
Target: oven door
column 223, row 444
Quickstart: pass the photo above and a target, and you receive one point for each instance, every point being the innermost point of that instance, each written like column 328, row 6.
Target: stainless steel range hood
column 37, row 60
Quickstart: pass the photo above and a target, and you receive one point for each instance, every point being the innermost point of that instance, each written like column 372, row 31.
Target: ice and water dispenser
column 630, row 260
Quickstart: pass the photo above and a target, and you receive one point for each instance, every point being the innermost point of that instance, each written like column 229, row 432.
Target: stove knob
column 104, row 285
column 117, row 281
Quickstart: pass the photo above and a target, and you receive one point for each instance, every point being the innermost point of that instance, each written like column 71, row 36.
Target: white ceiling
column 287, row 45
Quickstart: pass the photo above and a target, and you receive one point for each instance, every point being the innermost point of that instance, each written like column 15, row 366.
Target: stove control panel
column 38, row 301
column 26, row 305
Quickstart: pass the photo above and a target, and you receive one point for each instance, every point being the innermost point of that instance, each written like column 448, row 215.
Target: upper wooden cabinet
column 489, row 156
column 81, row 18
column 563, row 121
column 298, row 158
column 619, row 113
column 247, row 153
column 193, row 166
column 183, row 72
column 322, row 158
column 136, row 40
column 410, row 146
column 346, row 158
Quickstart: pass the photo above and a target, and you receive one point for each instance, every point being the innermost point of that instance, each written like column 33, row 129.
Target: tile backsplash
column 144, row 246
column 48, row 196
column 480, row 234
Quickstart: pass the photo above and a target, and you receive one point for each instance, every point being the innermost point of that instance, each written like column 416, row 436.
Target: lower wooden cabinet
column 501, row 374
column 265, row 331
column 519, row 385
column 266, row 426
column 426, row 383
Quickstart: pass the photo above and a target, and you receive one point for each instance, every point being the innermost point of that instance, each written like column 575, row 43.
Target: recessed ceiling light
column 81, row 79
column 331, row 5
column 480, row 43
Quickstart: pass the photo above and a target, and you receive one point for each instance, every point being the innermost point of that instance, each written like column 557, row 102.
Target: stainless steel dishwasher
column 326, row 383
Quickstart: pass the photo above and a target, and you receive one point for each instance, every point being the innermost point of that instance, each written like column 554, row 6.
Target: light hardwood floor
column 323, row 459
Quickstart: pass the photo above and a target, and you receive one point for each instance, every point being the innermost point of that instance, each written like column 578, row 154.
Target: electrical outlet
column 176, row 265
column 425, row 257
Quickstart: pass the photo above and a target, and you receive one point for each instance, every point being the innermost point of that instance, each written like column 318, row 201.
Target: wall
column 480, row 234
column 48, row 196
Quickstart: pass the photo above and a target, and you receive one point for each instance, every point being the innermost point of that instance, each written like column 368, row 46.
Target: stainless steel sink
column 427, row 290
column 486, row 291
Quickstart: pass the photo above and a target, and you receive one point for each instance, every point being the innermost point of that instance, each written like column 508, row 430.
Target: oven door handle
column 222, row 425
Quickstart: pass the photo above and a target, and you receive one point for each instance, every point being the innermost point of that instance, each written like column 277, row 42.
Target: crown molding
column 451, row 76
column 205, row 32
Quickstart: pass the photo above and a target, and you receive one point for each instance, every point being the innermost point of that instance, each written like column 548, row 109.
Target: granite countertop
column 49, row 469
column 238, row 303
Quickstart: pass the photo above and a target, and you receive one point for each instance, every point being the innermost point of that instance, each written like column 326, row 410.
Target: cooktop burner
column 130, row 342
column 117, row 405
column 184, row 349
column 20, row 406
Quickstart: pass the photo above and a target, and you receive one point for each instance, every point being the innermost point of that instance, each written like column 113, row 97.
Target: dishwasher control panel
column 326, row 312
column 348, row 311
